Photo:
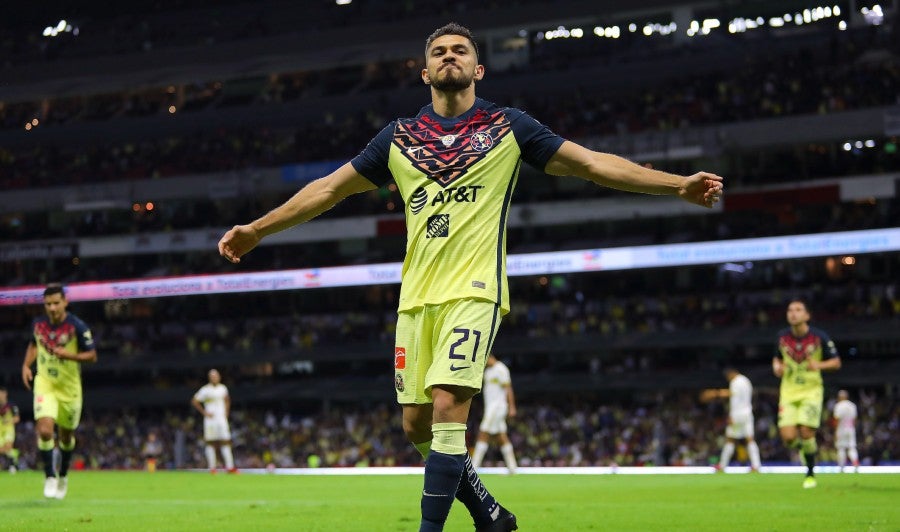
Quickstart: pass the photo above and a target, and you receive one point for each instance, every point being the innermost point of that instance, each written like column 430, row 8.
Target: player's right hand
column 27, row 376
column 237, row 242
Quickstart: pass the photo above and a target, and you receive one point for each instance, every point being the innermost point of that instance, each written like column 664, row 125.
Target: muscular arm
column 84, row 356
column 198, row 406
column 311, row 201
column 30, row 357
column 777, row 367
column 511, row 400
column 832, row 364
column 616, row 172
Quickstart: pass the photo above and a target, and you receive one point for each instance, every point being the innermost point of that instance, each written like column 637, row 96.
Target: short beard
column 452, row 83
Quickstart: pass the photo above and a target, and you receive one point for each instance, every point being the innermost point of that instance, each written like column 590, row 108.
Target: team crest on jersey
column 398, row 382
column 481, row 141
column 447, row 156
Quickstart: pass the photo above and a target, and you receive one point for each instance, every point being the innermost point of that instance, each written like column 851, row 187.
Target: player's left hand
column 813, row 364
column 702, row 189
column 237, row 242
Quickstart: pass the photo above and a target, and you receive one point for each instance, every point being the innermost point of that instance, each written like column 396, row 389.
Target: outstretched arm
column 612, row 171
column 311, row 201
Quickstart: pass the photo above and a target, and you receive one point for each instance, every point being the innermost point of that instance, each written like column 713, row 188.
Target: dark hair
column 2, row 388
column 54, row 288
column 451, row 29
column 799, row 300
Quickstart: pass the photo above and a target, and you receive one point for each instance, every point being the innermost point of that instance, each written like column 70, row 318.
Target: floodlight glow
column 847, row 146
column 343, row 2
column 61, row 26
column 842, row 25
column 577, row 33
column 632, row 27
column 870, row 143
column 776, row 22
column 836, row 10
column 648, row 31
column 47, row 31
column 858, row 144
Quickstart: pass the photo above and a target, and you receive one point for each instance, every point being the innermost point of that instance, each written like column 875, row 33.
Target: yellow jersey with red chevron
column 63, row 377
column 797, row 381
column 456, row 177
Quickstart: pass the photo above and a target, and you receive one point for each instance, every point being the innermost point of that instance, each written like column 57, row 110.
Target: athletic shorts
column 443, row 344
column 845, row 438
column 64, row 409
column 216, row 429
column 494, row 420
column 806, row 411
column 740, row 427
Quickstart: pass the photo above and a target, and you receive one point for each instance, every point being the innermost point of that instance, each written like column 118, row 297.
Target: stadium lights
column 343, row 2
column 61, row 27
column 874, row 16
column 561, row 32
column 612, row 32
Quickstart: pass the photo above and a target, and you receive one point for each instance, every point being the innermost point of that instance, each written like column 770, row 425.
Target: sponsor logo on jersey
column 438, row 226
column 418, row 200
column 399, row 358
column 463, row 194
column 398, row 382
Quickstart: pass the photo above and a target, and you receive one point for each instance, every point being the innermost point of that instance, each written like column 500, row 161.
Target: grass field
column 199, row 501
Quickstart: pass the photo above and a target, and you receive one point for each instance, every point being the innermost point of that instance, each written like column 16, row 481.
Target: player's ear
column 425, row 78
column 479, row 72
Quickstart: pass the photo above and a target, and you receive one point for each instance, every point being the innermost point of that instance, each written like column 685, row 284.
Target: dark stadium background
column 132, row 135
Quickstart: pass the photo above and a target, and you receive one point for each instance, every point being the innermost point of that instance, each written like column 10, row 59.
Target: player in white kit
column 740, row 417
column 845, row 433
column 499, row 403
column 213, row 401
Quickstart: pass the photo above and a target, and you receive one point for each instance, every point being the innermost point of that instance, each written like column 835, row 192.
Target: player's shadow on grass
column 33, row 503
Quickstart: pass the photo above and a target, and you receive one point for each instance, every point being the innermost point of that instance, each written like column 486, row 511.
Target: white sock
column 508, row 456
column 727, row 451
column 753, row 451
column 478, row 456
column 854, row 457
column 228, row 457
column 211, row 456
column 842, row 457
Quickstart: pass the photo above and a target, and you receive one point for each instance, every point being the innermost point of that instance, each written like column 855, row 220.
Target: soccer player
column 212, row 400
column 499, row 402
column 740, row 417
column 803, row 353
column 845, row 432
column 455, row 164
column 60, row 343
column 9, row 416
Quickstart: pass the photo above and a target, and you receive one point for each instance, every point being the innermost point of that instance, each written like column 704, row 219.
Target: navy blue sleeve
column 537, row 142
column 781, row 334
column 829, row 350
column 85, row 338
column 372, row 162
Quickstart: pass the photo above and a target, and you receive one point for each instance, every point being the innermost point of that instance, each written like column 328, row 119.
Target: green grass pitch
column 199, row 501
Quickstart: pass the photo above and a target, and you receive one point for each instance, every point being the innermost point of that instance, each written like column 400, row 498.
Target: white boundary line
column 688, row 470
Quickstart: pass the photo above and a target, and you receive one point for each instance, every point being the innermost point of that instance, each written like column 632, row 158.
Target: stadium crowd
column 671, row 428
column 769, row 88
